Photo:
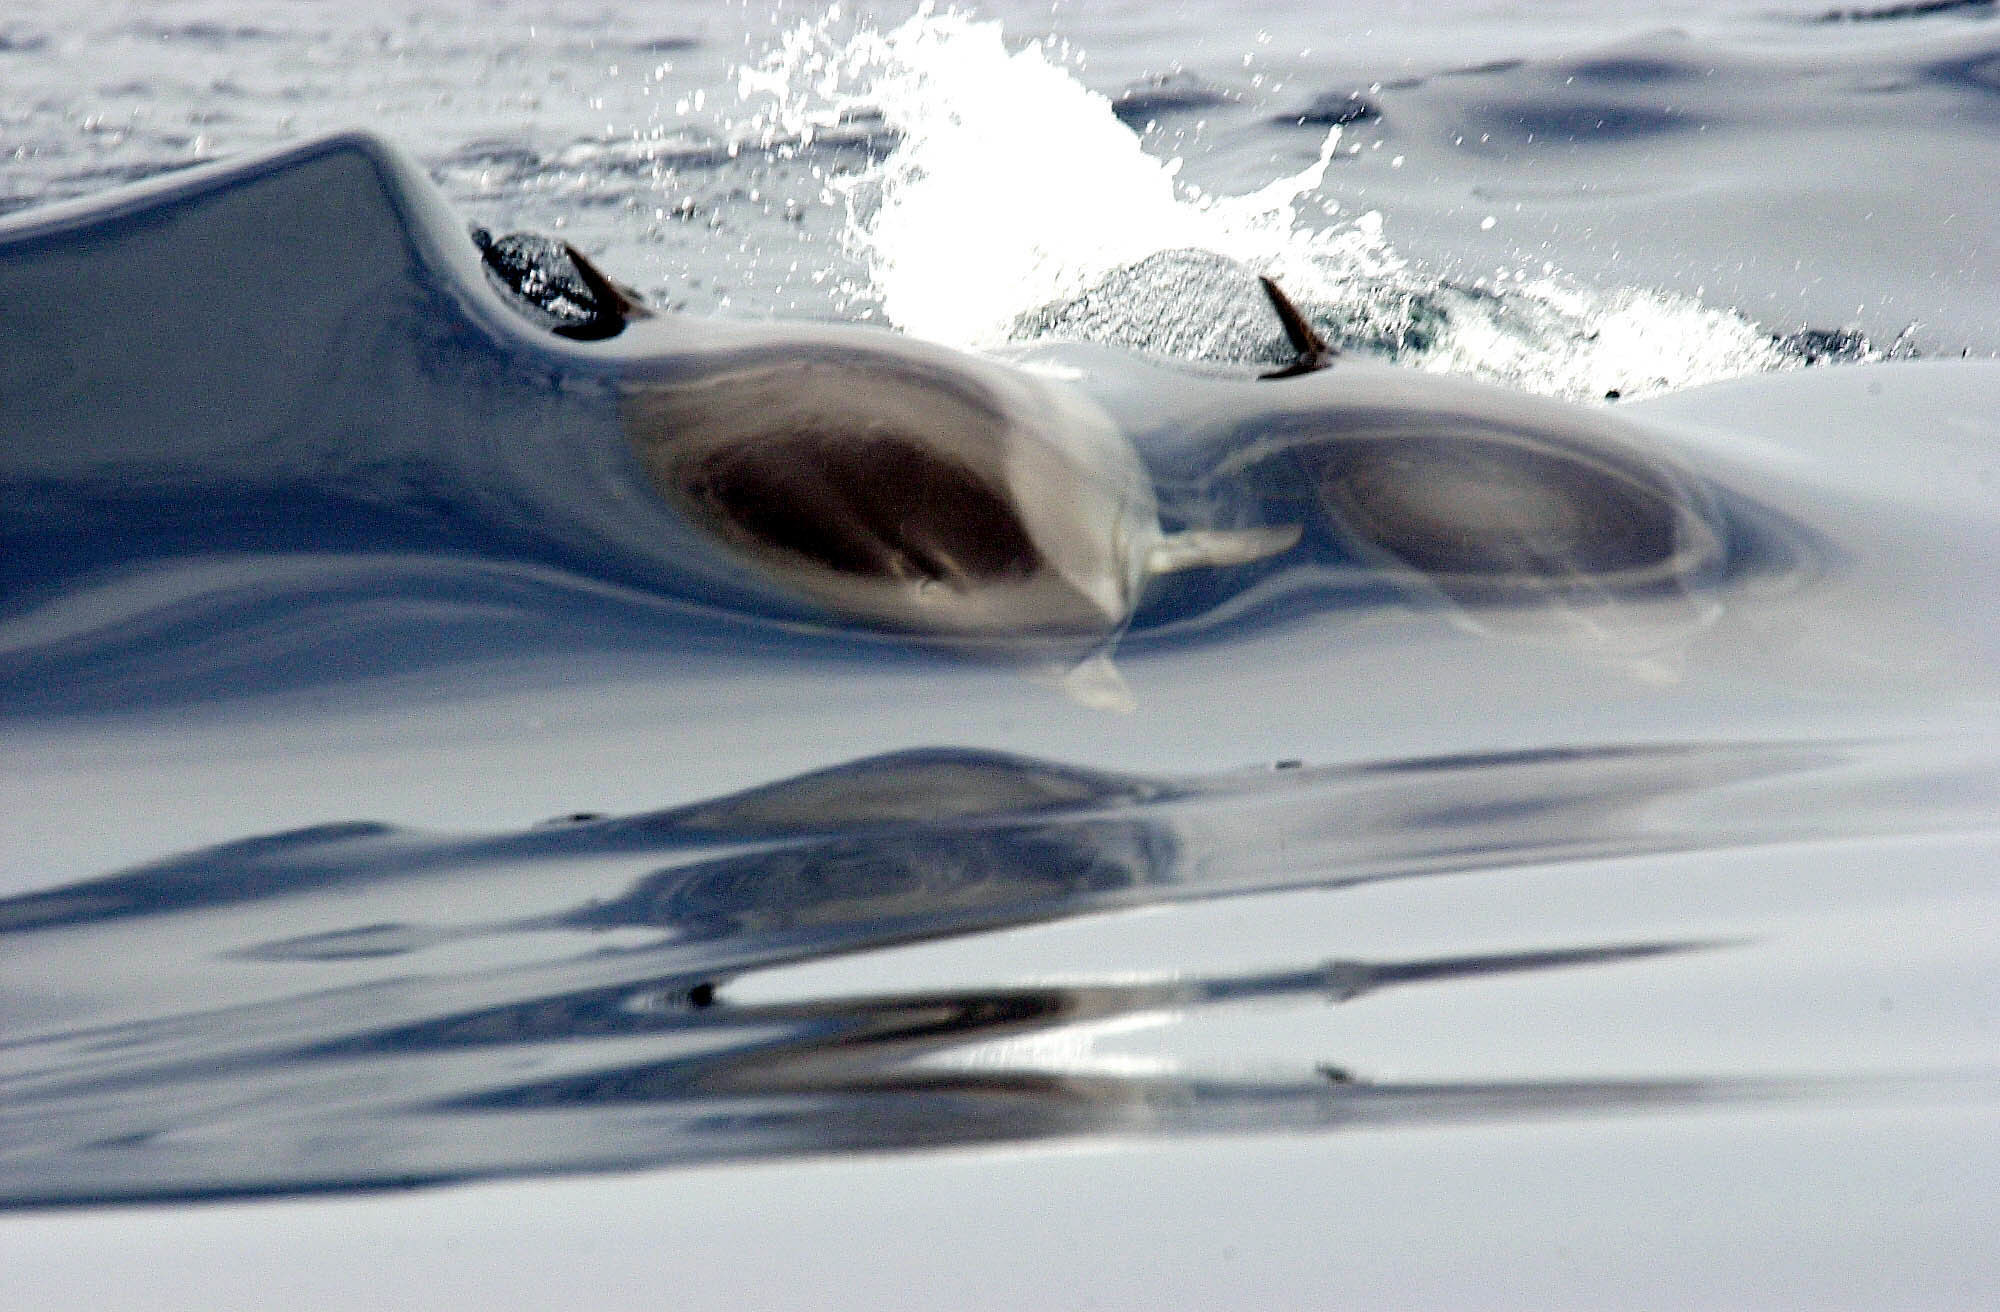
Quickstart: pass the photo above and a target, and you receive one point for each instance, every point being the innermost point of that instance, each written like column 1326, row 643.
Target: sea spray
column 1017, row 207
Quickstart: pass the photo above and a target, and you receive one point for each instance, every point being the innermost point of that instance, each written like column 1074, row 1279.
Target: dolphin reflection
column 941, row 840
column 368, row 982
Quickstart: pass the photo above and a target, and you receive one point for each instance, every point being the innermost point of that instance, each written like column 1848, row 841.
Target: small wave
column 201, row 32
column 1913, row 9
column 1179, row 92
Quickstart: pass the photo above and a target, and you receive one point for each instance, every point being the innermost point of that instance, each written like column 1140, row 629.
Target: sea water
column 290, row 905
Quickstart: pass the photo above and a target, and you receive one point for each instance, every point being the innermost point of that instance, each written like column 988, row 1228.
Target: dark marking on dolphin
column 869, row 505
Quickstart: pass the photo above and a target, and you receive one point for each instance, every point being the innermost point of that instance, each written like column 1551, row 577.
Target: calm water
column 394, row 799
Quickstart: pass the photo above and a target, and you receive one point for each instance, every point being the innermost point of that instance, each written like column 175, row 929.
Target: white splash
column 1014, row 188
column 1014, row 184
column 1553, row 337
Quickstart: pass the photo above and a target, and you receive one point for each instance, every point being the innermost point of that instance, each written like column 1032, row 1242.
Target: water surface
column 384, row 810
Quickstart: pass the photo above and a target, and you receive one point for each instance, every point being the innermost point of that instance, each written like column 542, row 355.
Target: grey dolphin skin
column 303, row 356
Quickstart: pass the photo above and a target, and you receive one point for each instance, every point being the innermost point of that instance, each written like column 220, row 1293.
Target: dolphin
column 913, row 486
column 302, row 356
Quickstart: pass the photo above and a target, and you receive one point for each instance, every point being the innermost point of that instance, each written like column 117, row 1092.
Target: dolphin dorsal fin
column 616, row 303
column 1217, row 546
column 1311, row 349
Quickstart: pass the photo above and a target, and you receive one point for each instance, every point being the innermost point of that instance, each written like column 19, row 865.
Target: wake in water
column 1017, row 205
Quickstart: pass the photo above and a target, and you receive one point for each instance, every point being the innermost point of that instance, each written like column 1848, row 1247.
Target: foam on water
column 1016, row 193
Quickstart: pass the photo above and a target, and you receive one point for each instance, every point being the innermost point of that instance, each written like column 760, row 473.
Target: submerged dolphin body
column 213, row 376
column 913, row 486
